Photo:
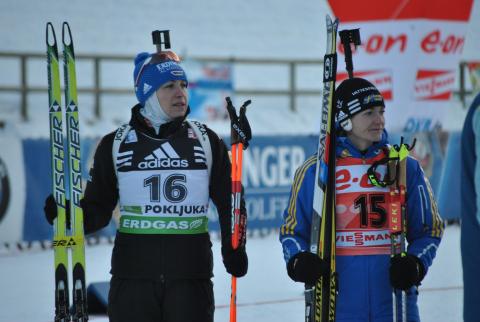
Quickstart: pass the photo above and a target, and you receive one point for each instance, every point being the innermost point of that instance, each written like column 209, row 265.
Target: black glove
column 235, row 261
column 306, row 267
column 240, row 127
column 406, row 271
column 50, row 210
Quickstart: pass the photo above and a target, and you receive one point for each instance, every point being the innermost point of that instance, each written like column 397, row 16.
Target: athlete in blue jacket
column 470, row 224
column 366, row 271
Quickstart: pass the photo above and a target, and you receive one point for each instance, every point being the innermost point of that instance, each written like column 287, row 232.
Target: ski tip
column 51, row 39
column 328, row 19
column 66, row 32
column 331, row 22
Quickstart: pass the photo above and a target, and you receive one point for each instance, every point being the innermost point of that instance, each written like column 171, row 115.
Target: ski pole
column 237, row 155
column 398, row 219
column 239, row 141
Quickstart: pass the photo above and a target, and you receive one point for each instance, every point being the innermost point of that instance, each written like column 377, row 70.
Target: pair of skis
column 238, row 139
column 320, row 298
column 61, row 175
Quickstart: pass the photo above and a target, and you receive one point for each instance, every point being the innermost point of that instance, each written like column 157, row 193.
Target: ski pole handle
column 240, row 128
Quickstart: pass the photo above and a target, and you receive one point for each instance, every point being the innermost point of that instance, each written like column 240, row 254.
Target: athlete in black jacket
column 162, row 260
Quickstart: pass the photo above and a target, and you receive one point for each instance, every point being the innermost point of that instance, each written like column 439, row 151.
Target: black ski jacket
column 158, row 256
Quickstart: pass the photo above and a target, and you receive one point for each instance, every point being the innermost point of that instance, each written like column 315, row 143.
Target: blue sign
column 269, row 165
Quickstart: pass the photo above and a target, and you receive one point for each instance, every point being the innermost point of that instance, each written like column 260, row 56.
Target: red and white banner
column 410, row 50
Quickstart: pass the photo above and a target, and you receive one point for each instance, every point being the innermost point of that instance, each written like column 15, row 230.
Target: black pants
column 176, row 300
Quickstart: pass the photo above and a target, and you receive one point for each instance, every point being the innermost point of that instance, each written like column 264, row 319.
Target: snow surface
column 265, row 294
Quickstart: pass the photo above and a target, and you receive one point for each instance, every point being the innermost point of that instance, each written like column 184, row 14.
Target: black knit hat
column 354, row 95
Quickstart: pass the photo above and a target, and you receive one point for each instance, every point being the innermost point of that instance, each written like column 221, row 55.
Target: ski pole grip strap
column 240, row 129
column 372, row 175
column 329, row 68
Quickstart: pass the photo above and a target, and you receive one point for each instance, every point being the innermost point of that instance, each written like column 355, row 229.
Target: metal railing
column 97, row 89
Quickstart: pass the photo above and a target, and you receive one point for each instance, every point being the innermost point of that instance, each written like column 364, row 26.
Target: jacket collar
column 138, row 122
column 345, row 147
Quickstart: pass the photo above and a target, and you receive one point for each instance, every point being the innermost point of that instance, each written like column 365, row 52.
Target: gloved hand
column 235, row 261
column 50, row 210
column 406, row 271
column 306, row 267
column 240, row 127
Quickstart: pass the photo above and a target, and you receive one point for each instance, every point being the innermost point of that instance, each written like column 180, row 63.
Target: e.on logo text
column 435, row 42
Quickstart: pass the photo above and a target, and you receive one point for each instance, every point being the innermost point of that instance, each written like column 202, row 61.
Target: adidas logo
column 124, row 159
column 146, row 88
column 354, row 106
column 199, row 155
column 163, row 157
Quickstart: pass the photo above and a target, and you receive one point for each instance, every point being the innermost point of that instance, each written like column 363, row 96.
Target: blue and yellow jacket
column 362, row 219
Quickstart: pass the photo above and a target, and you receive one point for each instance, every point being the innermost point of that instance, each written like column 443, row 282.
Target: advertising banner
column 37, row 169
column 12, row 188
column 209, row 84
column 410, row 50
column 269, row 165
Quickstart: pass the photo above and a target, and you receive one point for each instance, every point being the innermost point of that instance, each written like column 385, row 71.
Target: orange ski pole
column 239, row 141
column 237, row 154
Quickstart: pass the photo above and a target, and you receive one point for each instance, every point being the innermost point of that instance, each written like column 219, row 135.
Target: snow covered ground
column 266, row 294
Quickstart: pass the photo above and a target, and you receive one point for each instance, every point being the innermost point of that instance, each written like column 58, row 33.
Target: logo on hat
column 373, row 98
column 339, row 104
column 341, row 115
column 354, row 106
column 146, row 88
column 177, row 72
